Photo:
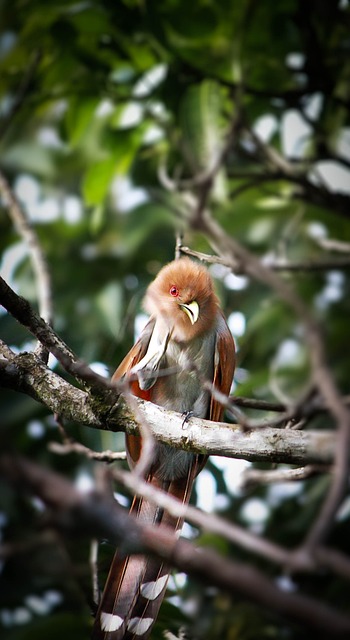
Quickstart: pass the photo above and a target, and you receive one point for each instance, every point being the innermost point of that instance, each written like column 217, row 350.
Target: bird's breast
column 188, row 366
column 179, row 387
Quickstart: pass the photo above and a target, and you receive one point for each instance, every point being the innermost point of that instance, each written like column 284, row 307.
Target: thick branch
column 94, row 515
column 22, row 311
column 28, row 374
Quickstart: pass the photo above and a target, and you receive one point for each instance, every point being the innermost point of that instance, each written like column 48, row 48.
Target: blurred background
column 109, row 111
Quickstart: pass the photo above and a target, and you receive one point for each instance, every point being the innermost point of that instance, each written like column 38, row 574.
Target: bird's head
column 182, row 296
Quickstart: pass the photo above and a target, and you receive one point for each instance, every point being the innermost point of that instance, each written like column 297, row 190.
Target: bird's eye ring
column 174, row 291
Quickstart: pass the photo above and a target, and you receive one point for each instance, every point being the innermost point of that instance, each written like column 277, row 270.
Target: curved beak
column 192, row 310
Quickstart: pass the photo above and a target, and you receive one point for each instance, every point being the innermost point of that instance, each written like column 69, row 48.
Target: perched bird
column 188, row 340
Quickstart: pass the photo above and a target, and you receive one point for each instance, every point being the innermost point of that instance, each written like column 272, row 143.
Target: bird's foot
column 187, row 415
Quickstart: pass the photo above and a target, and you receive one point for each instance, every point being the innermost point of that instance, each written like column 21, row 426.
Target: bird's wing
column 136, row 353
column 224, row 366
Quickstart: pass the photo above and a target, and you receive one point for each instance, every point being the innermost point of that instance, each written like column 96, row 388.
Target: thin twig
column 178, row 244
column 276, row 159
column 38, row 259
column 275, row 265
column 331, row 244
column 252, row 477
column 77, row 447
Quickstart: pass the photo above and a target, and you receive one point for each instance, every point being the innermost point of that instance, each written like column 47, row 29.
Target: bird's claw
column 186, row 415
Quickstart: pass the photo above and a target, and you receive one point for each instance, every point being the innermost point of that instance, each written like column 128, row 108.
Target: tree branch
column 38, row 259
column 27, row 374
column 22, row 311
column 232, row 251
column 275, row 265
column 95, row 515
column 228, row 247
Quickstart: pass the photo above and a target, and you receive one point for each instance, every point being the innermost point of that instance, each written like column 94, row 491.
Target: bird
column 185, row 341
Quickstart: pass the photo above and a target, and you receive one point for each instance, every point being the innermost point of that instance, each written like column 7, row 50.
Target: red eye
column 174, row 291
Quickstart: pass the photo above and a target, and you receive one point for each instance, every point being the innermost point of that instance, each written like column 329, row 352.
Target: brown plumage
column 187, row 334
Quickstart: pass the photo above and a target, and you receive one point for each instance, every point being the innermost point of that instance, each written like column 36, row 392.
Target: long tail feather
column 136, row 585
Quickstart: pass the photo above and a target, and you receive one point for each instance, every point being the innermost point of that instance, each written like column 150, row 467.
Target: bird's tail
column 136, row 585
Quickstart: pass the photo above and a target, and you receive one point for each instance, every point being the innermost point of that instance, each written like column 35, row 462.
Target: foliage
column 111, row 112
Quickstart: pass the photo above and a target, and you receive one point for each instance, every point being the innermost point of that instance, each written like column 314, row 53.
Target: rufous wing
column 224, row 366
column 136, row 353
column 134, row 356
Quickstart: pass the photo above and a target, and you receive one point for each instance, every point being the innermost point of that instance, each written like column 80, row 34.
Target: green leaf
column 199, row 119
column 97, row 180
column 79, row 116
